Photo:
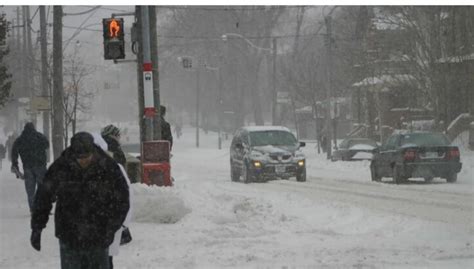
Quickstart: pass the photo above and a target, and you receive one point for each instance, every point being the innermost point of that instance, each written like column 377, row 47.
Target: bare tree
column 77, row 98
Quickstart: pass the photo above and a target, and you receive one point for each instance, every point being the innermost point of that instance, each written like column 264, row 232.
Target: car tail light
column 409, row 155
column 453, row 154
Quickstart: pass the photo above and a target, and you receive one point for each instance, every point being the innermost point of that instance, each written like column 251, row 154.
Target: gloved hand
column 36, row 239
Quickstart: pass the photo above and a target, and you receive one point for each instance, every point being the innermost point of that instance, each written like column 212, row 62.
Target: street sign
column 148, row 90
column 283, row 97
column 40, row 103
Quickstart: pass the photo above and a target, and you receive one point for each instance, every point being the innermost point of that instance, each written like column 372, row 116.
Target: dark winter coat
column 91, row 203
column 166, row 131
column 31, row 146
column 114, row 147
column 2, row 151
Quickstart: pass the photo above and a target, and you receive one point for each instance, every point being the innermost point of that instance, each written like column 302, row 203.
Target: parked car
column 261, row 153
column 423, row 154
column 355, row 149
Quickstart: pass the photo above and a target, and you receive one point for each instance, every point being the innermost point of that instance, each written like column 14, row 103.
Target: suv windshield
column 275, row 138
column 424, row 139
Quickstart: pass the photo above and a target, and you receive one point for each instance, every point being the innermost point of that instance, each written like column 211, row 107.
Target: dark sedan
column 423, row 154
column 354, row 149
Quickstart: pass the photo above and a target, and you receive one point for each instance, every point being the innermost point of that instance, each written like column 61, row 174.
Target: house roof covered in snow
column 384, row 80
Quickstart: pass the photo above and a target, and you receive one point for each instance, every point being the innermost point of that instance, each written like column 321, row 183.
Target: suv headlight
column 257, row 164
column 301, row 163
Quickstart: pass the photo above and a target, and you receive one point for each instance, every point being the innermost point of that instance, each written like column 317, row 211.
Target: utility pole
column 219, row 102
column 29, row 62
column 141, row 107
column 198, row 89
column 24, row 80
column 274, row 92
column 58, row 120
column 327, row 20
column 155, row 69
column 149, row 109
column 44, row 68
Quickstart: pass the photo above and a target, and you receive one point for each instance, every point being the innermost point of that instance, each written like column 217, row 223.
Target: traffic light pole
column 149, row 109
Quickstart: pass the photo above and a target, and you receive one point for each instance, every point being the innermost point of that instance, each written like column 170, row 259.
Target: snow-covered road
column 337, row 219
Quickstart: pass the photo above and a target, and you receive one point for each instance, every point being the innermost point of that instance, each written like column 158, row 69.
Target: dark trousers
column 33, row 177
column 90, row 258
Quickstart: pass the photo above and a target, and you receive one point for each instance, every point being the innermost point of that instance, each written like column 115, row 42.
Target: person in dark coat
column 9, row 144
column 2, row 154
column 32, row 148
column 165, row 127
column 111, row 135
column 92, row 201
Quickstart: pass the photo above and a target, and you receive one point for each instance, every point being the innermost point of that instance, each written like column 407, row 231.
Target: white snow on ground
column 207, row 221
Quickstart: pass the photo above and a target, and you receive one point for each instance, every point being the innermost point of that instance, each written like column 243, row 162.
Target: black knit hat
column 82, row 144
column 110, row 130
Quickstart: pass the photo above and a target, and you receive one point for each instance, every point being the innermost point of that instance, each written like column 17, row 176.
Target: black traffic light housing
column 114, row 41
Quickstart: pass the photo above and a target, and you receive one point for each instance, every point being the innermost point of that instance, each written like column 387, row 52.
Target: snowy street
column 337, row 219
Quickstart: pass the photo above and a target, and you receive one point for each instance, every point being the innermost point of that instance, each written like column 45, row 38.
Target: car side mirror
column 302, row 144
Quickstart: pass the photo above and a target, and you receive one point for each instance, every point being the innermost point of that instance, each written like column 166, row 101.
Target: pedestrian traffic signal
column 114, row 42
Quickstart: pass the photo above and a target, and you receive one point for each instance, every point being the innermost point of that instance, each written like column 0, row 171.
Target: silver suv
column 260, row 153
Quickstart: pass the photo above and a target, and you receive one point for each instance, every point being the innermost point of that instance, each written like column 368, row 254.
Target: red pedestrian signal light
column 114, row 42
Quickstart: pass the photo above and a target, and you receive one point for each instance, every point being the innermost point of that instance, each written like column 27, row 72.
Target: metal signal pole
column 44, row 67
column 58, row 119
column 149, row 109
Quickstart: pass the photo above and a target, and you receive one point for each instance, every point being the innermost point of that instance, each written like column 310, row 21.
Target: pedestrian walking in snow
column 165, row 127
column 9, row 144
column 123, row 235
column 32, row 148
column 92, row 201
column 111, row 135
column 2, row 154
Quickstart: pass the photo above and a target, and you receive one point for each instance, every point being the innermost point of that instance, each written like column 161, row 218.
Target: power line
column 218, row 8
column 81, row 13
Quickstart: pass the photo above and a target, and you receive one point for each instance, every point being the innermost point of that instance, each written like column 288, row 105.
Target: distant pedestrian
column 2, row 154
column 92, row 201
column 165, row 127
column 9, row 144
column 32, row 148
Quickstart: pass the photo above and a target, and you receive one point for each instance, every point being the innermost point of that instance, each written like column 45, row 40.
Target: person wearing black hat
column 31, row 146
column 111, row 135
column 92, row 201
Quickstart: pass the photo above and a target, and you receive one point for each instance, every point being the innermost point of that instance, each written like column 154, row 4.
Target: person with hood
column 165, row 127
column 111, row 135
column 119, row 235
column 92, row 201
column 32, row 148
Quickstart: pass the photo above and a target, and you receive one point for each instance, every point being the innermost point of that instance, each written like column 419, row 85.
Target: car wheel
column 234, row 173
column 246, row 174
column 373, row 173
column 453, row 177
column 301, row 176
column 397, row 177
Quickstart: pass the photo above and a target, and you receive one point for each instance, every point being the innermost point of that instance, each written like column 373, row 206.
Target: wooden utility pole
column 44, row 68
column 156, row 81
column 58, row 120
column 327, row 20
column 274, row 91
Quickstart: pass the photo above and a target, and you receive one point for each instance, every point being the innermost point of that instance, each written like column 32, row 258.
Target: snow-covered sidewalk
column 207, row 221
